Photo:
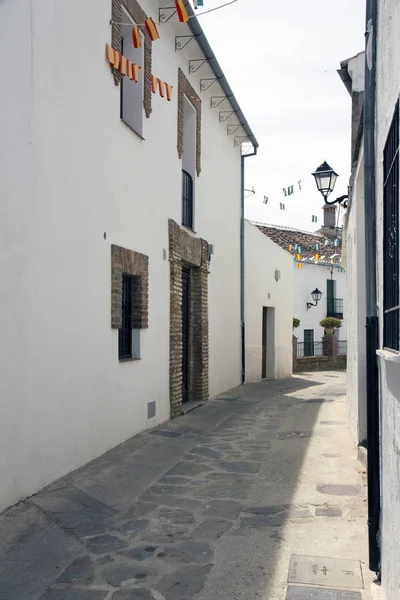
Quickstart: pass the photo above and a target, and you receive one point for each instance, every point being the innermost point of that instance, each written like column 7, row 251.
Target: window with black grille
column 129, row 336
column 391, row 283
column 187, row 200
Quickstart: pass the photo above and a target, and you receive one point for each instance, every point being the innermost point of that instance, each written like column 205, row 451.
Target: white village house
column 268, row 307
column 325, row 274
column 372, row 259
column 120, row 279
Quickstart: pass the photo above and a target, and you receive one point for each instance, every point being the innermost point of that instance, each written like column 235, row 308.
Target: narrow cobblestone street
column 208, row 506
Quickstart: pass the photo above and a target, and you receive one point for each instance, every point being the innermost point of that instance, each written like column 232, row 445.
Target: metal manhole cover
column 316, row 570
column 339, row 490
column 312, row 593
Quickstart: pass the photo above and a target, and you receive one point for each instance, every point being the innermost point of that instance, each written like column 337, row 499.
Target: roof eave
column 202, row 41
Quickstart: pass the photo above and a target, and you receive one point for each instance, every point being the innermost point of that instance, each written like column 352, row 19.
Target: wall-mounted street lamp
column 325, row 178
column 316, row 296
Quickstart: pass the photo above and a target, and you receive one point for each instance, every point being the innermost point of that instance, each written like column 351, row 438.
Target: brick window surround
column 189, row 251
column 185, row 89
column 139, row 16
column 131, row 263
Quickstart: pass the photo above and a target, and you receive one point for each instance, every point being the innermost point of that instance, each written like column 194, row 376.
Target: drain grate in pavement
column 312, row 593
column 338, row 490
column 317, row 570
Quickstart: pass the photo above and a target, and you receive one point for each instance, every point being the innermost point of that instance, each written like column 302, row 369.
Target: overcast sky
column 281, row 60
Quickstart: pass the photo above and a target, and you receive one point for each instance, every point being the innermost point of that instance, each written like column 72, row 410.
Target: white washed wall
column 262, row 258
column 308, row 278
column 388, row 90
column 74, row 172
column 356, row 310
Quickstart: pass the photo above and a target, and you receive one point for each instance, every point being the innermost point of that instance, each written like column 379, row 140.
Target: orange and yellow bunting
column 299, row 266
column 131, row 70
column 137, row 43
column 151, row 29
column 169, row 91
column 182, row 12
column 123, row 65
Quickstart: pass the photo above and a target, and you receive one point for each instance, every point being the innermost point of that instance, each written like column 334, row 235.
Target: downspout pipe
column 372, row 324
column 242, row 269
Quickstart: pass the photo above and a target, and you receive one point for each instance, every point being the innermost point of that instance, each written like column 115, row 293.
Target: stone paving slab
column 186, row 510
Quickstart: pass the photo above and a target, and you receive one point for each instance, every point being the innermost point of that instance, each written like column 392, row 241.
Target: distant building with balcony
column 325, row 274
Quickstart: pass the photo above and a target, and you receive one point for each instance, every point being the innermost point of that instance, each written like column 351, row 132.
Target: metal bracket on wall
column 233, row 129
column 205, row 84
column 163, row 16
column 240, row 139
column 196, row 61
column 179, row 45
column 225, row 114
column 217, row 100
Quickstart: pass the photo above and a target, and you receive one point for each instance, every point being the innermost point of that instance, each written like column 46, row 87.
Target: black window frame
column 391, row 247
column 125, row 333
column 187, row 199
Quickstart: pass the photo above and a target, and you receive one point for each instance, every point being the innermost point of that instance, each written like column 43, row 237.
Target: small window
column 391, row 273
column 187, row 200
column 188, row 163
column 129, row 337
column 131, row 91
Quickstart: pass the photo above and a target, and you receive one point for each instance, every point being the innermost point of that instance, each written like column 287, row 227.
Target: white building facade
column 383, row 431
column 268, row 307
column 321, row 277
column 93, row 207
column 352, row 75
column 324, row 273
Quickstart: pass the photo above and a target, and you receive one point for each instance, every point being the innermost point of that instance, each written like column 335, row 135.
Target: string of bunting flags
column 129, row 69
column 296, row 249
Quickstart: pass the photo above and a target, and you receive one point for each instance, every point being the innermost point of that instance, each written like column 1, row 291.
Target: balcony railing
column 335, row 308
column 187, row 200
column 311, row 349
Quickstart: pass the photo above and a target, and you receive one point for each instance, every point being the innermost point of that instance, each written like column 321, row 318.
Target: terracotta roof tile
column 285, row 237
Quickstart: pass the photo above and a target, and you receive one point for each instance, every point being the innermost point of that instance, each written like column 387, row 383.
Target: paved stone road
column 197, row 507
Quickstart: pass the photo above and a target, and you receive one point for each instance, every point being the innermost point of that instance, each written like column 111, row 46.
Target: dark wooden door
column 309, row 342
column 264, row 343
column 185, row 332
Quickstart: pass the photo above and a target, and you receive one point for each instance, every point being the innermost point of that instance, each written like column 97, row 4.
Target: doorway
column 185, row 332
column 264, row 343
column 268, row 343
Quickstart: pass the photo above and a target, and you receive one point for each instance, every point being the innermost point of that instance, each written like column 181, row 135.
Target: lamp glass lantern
column 316, row 295
column 325, row 178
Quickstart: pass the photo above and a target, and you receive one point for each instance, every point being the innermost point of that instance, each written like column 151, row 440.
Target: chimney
column 330, row 216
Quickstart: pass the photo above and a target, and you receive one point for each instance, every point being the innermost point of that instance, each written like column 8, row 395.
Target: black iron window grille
column 391, row 283
column 130, row 290
column 187, row 200
column 335, row 308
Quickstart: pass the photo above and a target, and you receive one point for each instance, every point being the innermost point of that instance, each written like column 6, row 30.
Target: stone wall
column 331, row 362
column 187, row 250
column 131, row 263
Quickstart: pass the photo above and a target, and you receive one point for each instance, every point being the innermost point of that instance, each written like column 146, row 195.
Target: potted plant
column 296, row 323
column 330, row 324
